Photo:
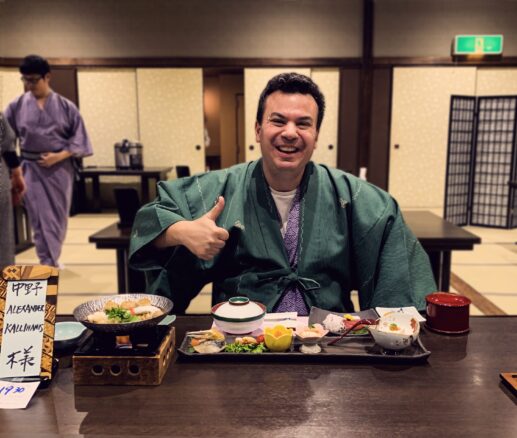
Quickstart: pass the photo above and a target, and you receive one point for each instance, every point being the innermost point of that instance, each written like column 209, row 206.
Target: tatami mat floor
column 491, row 268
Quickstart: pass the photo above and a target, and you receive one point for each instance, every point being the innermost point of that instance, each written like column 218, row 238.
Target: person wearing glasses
column 50, row 132
column 284, row 231
column 12, row 189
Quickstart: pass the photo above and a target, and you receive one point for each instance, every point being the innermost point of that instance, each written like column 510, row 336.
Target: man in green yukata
column 282, row 230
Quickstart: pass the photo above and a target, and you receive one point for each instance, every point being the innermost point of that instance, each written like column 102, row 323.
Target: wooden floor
column 487, row 275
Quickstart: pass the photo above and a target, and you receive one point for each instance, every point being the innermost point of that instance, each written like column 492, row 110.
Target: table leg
column 435, row 260
column 446, row 271
column 96, row 193
column 145, row 189
column 81, row 192
column 122, row 271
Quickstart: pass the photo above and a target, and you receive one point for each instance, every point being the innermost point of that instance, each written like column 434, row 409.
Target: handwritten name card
column 22, row 335
column 28, row 299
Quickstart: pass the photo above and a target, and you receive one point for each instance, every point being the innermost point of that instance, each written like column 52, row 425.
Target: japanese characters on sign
column 23, row 328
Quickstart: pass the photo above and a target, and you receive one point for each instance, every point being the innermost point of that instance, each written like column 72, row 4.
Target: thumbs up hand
column 202, row 236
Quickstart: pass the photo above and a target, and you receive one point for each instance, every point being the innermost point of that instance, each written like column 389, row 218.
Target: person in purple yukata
column 51, row 132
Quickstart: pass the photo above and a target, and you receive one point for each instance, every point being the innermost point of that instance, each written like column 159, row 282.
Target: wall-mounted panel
column 108, row 104
column 222, row 28
column 419, row 127
column 427, row 28
column 170, row 109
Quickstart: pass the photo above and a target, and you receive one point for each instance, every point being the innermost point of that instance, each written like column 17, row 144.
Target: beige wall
column 427, row 27
column 221, row 28
column 496, row 81
column 245, row 28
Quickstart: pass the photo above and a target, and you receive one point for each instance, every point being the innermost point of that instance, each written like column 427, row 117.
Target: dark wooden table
column 439, row 238
column 94, row 173
column 113, row 237
column 456, row 393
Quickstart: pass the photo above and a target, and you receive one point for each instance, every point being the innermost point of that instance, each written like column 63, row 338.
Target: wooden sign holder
column 30, row 273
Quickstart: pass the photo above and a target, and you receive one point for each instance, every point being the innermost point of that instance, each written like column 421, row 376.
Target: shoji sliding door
column 10, row 86
column 170, row 113
column 108, row 104
column 419, row 128
column 328, row 81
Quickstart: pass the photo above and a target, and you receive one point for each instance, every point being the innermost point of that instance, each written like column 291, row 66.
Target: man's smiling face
column 287, row 135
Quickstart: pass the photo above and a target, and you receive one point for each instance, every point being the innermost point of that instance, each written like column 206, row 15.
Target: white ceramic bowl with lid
column 238, row 315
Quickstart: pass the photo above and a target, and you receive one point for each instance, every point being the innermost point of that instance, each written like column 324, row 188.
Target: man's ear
column 47, row 77
column 258, row 129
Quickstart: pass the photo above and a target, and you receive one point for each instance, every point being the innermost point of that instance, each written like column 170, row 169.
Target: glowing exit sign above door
column 478, row 45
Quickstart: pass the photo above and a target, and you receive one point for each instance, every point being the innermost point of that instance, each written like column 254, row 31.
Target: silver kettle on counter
column 129, row 155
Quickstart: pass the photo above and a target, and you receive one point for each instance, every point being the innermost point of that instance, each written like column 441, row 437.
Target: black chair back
column 182, row 171
column 128, row 204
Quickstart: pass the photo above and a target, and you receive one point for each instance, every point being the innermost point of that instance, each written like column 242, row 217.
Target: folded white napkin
column 411, row 310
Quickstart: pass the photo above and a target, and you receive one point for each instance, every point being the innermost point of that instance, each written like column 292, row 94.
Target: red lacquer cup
column 448, row 312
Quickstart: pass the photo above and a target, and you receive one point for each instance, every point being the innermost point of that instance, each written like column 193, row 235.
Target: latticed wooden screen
column 481, row 162
column 459, row 159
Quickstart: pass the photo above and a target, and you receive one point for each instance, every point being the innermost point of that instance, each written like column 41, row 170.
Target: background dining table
column 457, row 392
column 438, row 237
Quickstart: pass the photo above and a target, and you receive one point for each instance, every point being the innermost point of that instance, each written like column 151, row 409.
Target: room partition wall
column 481, row 162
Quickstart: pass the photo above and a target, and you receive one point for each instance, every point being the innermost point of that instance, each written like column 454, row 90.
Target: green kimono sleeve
column 150, row 222
column 392, row 268
column 182, row 283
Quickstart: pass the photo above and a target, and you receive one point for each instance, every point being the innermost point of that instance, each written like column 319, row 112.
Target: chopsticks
column 348, row 330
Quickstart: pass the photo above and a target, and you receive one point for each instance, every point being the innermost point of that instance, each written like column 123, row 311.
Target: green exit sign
column 478, row 45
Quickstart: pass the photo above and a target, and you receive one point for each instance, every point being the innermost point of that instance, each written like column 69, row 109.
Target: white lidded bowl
column 238, row 315
column 395, row 331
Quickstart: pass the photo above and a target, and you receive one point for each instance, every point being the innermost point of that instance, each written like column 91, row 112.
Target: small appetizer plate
column 68, row 333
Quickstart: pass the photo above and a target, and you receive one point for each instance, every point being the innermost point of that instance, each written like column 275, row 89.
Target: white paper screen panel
column 419, row 126
column 255, row 80
column 327, row 80
column 10, row 86
column 170, row 107
column 108, row 105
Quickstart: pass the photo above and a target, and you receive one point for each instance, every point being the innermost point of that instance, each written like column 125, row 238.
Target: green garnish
column 118, row 314
column 245, row 348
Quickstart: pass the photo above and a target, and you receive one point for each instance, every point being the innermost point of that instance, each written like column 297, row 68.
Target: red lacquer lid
column 447, row 299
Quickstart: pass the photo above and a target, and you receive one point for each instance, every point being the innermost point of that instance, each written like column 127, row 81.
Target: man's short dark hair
column 34, row 65
column 292, row 83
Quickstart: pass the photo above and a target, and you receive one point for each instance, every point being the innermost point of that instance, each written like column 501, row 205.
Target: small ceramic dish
column 67, row 334
column 395, row 331
column 310, row 337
